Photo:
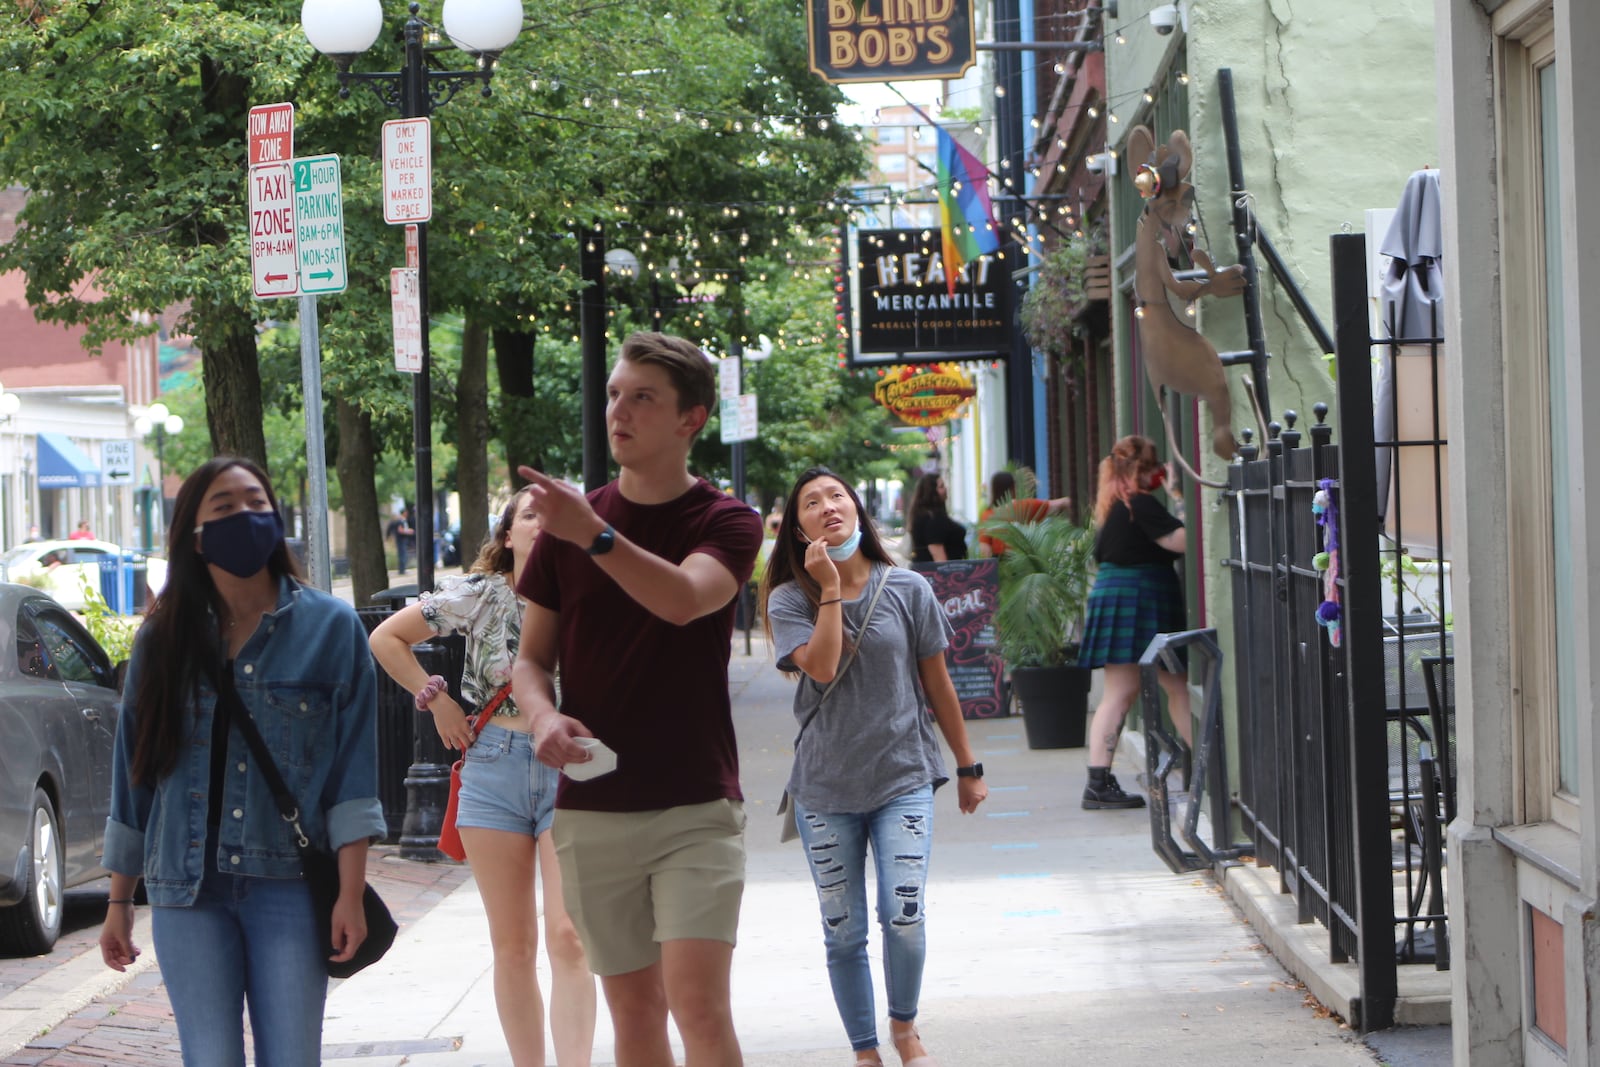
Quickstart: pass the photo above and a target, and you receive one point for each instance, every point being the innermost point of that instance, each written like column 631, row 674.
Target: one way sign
column 116, row 462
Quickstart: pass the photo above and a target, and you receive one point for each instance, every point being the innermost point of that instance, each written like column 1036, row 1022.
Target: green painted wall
column 1336, row 107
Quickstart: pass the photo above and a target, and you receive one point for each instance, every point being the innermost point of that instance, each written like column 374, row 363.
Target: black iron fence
column 1342, row 653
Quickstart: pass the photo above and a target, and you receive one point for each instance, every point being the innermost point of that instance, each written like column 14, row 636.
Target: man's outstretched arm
column 678, row 593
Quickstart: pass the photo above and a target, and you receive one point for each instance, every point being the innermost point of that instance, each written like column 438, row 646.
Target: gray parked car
column 58, row 719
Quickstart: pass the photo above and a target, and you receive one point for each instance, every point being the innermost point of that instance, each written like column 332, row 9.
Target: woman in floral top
column 507, row 799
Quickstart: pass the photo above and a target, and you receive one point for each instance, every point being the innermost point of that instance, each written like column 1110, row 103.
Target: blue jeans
column 503, row 787
column 244, row 941
column 901, row 836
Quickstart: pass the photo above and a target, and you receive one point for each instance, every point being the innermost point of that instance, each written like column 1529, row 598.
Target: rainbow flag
column 965, row 214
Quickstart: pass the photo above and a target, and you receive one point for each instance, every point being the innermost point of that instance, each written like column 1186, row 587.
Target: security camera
column 1165, row 19
column 1101, row 163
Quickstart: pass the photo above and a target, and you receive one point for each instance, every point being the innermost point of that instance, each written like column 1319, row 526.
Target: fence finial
column 1291, row 436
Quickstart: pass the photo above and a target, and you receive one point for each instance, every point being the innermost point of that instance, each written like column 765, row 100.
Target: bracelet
column 128, row 901
column 835, row 600
column 431, row 689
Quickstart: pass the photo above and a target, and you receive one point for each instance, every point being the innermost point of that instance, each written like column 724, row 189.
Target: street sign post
column 738, row 418
column 407, row 170
column 274, row 264
column 270, row 133
column 747, row 416
column 729, row 373
column 319, row 224
column 405, row 302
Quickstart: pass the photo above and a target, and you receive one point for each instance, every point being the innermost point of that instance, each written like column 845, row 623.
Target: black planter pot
column 1055, row 705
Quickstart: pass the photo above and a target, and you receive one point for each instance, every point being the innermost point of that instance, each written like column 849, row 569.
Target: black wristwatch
column 604, row 541
column 974, row 771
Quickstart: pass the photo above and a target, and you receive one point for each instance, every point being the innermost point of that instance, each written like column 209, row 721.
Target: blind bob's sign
column 890, row 40
column 904, row 309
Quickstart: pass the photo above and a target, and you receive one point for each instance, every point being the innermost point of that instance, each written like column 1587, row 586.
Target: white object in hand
column 602, row 760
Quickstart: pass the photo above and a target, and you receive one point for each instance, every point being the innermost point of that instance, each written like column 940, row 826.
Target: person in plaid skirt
column 1137, row 594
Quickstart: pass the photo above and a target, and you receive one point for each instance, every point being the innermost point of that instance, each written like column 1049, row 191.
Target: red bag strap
column 489, row 709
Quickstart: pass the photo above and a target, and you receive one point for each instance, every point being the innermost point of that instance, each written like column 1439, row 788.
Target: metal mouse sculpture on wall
column 1176, row 355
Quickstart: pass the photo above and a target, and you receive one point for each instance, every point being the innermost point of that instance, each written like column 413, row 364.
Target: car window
column 13, row 555
column 30, row 650
column 88, row 555
column 68, row 653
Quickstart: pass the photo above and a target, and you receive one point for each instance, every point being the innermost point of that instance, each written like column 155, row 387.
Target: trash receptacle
column 399, row 743
column 136, row 584
column 111, row 582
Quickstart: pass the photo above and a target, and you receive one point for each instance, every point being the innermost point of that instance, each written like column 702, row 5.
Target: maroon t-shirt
column 655, row 693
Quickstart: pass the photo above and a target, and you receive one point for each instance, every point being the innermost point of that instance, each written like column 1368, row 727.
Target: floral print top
column 488, row 611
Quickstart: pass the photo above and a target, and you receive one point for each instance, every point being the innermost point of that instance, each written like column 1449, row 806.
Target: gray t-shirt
column 873, row 740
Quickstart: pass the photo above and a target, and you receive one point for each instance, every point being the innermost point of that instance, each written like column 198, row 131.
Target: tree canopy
column 691, row 133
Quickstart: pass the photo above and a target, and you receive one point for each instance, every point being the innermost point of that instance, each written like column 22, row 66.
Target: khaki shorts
column 632, row 880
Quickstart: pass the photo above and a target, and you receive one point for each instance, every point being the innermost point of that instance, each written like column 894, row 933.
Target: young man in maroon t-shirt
column 631, row 591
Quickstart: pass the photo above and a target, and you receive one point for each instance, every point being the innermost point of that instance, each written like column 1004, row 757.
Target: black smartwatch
column 974, row 771
column 604, row 541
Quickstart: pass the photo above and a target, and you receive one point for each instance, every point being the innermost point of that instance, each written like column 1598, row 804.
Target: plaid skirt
column 1128, row 606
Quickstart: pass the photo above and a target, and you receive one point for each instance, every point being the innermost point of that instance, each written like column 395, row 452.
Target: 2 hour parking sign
column 319, row 224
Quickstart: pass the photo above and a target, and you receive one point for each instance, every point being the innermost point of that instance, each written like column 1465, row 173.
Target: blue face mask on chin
column 840, row 553
column 242, row 543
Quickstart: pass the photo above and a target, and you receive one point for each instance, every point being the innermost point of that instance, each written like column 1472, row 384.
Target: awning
column 62, row 464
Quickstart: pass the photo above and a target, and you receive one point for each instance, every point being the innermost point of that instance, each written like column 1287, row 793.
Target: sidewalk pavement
column 1054, row 935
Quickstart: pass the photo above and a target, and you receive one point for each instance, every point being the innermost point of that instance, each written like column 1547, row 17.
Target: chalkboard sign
column 969, row 591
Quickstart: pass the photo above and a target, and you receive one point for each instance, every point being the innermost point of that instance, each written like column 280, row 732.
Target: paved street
column 1055, row 935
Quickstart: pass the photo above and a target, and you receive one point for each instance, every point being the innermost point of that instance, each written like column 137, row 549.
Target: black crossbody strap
column 872, row 606
column 230, row 704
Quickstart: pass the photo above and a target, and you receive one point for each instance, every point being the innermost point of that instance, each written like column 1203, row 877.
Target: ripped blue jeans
column 901, row 836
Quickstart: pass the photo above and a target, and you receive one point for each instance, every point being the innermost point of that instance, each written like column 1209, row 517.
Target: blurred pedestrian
column 81, row 532
column 1003, row 493
column 1136, row 595
column 507, row 798
column 404, row 536
column 935, row 536
column 235, row 632
column 632, row 589
column 868, row 639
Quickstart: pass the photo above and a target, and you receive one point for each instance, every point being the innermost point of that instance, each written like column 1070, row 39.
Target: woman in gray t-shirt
column 867, row 640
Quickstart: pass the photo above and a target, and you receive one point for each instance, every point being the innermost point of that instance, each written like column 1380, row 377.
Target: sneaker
column 1109, row 795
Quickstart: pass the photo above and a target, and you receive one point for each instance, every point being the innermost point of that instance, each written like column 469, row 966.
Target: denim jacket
column 306, row 677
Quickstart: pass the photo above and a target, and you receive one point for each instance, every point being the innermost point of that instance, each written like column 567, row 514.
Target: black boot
column 1104, row 792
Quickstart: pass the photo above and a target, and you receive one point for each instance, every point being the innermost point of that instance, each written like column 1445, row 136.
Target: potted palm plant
column 1046, row 572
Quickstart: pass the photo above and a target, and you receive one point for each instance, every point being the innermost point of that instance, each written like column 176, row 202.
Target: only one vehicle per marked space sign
column 319, row 224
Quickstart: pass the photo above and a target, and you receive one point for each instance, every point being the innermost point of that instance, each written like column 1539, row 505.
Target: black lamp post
column 161, row 422
column 342, row 30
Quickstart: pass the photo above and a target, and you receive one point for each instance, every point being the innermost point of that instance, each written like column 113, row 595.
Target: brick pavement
column 133, row 1027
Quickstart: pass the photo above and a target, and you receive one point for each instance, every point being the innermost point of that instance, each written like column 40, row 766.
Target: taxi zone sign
column 274, row 261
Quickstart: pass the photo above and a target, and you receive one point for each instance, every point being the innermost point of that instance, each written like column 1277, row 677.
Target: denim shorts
column 503, row 787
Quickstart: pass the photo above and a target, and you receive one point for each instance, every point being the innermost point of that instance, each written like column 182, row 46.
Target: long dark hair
column 180, row 629
column 788, row 560
column 925, row 500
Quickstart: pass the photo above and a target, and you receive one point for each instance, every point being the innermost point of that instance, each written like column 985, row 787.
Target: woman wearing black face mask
column 235, row 632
